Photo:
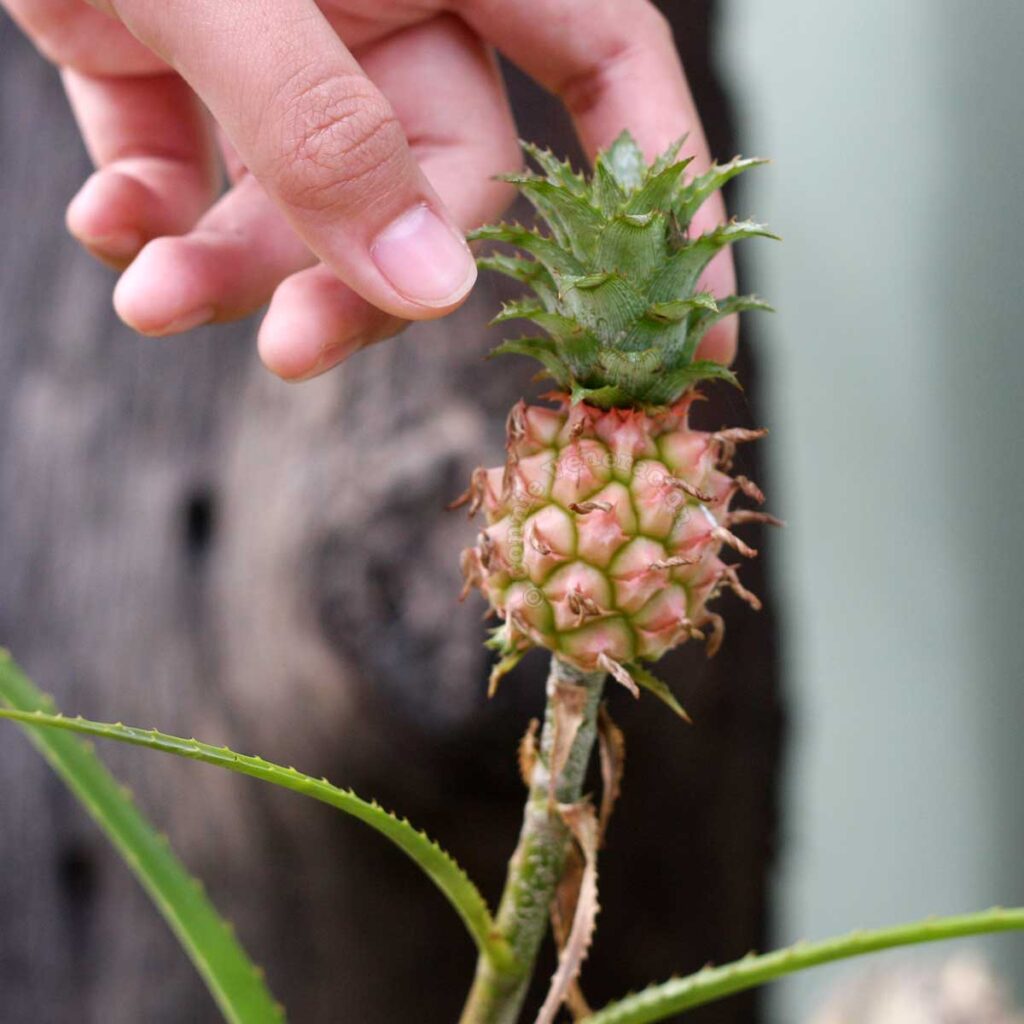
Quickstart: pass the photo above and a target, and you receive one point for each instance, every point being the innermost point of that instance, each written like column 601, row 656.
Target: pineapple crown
column 615, row 279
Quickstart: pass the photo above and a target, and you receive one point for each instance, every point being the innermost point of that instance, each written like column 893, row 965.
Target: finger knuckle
column 626, row 42
column 584, row 90
column 340, row 138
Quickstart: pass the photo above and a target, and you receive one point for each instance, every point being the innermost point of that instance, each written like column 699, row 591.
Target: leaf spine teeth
column 749, row 488
column 732, row 580
column 584, row 508
column 740, row 435
column 582, row 606
column 536, row 542
column 688, row 488
column 474, row 494
column 746, row 515
column 673, row 562
column 720, row 533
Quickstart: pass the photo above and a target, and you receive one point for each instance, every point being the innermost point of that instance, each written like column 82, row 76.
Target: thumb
column 322, row 140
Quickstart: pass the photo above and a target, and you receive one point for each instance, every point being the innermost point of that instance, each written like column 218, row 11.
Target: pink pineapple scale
column 605, row 530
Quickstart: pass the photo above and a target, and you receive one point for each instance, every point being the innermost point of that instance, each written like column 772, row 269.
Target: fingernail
column 186, row 322
column 424, row 259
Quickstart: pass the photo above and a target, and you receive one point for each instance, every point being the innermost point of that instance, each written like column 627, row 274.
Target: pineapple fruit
column 608, row 524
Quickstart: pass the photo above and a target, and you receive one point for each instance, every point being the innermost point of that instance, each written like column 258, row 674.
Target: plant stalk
column 536, row 866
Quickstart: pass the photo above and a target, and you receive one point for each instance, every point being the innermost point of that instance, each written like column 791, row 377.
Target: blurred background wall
column 896, row 389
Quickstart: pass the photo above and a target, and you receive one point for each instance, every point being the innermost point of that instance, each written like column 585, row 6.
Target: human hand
column 355, row 166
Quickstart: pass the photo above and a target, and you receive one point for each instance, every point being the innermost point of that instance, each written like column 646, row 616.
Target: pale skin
column 359, row 139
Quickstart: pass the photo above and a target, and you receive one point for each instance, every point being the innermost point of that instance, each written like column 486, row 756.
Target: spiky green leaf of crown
column 615, row 276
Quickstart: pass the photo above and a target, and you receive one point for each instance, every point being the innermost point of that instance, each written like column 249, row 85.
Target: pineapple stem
column 536, row 866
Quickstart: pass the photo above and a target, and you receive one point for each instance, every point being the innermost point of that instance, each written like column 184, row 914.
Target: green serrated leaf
column 634, row 373
column 235, row 983
column 680, row 309
column 631, row 367
column 588, row 281
column 557, row 325
column 669, row 156
column 605, row 304
column 574, row 223
column 659, row 1002
column 571, row 357
column 518, row 309
column 526, row 271
column 681, row 272
column 653, row 684
column 705, row 319
column 603, row 398
column 669, row 385
column 658, row 190
column 657, row 336
column 625, row 162
column 703, row 369
column 633, row 247
column 543, row 350
column 581, row 352
column 559, row 172
column 693, row 196
column 439, row 866
column 607, row 192
column 571, row 340
column 555, row 259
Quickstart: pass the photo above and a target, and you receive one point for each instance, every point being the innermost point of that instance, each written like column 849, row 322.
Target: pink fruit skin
column 605, row 531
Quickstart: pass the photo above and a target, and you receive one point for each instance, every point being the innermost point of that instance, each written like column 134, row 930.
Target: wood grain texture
column 186, row 542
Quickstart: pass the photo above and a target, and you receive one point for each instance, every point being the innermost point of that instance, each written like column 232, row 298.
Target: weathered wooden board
column 185, row 541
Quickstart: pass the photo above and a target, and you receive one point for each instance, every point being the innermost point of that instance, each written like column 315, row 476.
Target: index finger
column 321, row 139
